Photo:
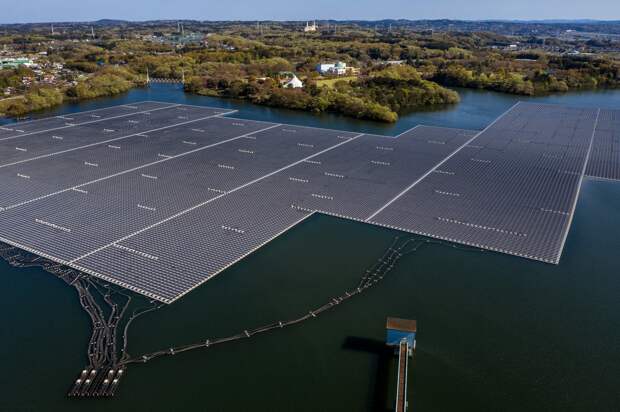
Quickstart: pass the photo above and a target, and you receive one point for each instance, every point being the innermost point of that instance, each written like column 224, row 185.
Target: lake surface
column 496, row 333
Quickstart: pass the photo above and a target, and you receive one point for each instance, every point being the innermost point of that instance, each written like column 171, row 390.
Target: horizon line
column 353, row 20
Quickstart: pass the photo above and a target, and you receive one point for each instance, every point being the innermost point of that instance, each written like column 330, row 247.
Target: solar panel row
column 605, row 157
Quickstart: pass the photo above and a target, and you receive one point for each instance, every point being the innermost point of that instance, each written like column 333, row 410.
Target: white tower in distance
column 310, row 28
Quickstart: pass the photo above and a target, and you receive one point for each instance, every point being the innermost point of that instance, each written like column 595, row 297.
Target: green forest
column 106, row 82
column 378, row 96
column 395, row 72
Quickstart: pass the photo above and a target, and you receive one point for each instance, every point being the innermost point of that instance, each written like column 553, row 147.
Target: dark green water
column 496, row 333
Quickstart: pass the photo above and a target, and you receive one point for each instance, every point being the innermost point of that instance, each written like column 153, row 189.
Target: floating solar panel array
column 605, row 157
column 512, row 189
column 159, row 198
column 355, row 180
column 66, row 121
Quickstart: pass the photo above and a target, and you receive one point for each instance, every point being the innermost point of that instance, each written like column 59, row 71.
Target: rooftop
column 404, row 325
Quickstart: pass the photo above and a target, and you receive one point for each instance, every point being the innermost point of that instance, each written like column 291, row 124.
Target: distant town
column 318, row 66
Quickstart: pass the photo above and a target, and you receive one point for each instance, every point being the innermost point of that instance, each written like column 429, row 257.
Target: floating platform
column 159, row 197
column 100, row 383
column 398, row 329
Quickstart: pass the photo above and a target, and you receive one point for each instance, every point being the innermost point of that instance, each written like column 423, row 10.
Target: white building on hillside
column 339, row 68
column 310, row 28
column 293, row 83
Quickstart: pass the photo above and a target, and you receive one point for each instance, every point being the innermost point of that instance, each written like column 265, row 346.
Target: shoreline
column 26, row 116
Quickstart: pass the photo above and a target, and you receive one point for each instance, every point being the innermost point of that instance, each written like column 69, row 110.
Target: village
column 37, row 71
column 353, row 68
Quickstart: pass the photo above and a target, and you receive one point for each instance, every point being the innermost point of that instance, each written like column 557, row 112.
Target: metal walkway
column 403, row 369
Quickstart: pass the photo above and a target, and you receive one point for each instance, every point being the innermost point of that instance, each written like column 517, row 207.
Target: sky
column 12, row 11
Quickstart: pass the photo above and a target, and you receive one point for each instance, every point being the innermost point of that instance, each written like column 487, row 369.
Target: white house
column 338, row 68
column 293, row 83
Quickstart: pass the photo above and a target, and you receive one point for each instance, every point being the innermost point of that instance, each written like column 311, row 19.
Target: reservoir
column 494, row 332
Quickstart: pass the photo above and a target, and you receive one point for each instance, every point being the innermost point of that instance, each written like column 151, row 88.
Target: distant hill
column 110, row 22
column 506, row 27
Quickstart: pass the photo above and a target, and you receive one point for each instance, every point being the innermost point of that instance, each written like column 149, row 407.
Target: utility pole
column 92, row 32
column 52, row 29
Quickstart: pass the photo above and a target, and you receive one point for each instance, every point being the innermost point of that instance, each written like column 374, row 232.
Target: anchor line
column 372, row 276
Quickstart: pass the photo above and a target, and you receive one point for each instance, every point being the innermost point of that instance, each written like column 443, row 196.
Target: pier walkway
column 403, row 368
column 401, row 334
